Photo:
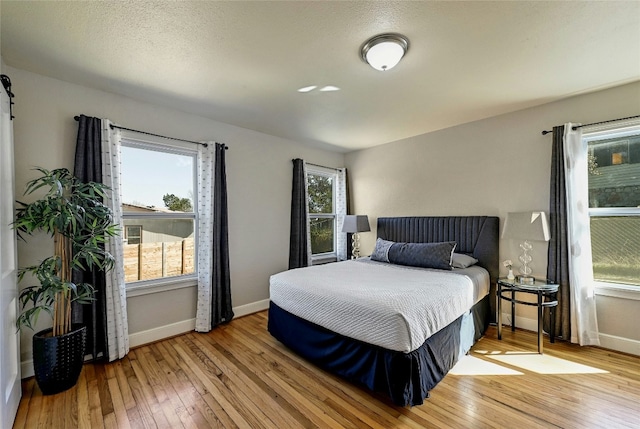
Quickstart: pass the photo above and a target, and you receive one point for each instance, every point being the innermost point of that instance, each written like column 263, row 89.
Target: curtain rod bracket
column 6, row 82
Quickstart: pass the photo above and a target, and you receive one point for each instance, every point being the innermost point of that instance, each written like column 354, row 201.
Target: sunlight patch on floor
column 471, row 365
column 541, row 364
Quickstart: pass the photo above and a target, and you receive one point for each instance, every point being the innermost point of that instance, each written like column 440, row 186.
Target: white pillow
column 461, row 260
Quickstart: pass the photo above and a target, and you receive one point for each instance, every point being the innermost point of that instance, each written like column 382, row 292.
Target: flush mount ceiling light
column 384, row 51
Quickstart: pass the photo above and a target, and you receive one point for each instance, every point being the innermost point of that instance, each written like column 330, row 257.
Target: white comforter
column 387, row 305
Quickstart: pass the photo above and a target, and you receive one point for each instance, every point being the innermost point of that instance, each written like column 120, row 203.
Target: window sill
column 163, row 285
column 324, row 260
column 616, row 290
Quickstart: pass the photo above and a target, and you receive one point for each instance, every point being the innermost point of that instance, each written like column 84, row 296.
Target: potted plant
column 73, row 214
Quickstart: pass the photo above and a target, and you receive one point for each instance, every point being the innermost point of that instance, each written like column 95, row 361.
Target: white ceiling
column 242, row 62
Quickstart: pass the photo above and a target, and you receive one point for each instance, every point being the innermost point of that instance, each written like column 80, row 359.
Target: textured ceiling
column 242, row 62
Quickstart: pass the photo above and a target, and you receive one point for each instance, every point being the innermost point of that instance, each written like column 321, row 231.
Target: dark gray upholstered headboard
column 475, row 235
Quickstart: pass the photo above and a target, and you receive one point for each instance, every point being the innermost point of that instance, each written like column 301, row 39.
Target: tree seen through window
column 321, row 213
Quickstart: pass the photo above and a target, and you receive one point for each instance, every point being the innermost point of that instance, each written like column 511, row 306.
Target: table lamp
column 526, row 226
column 355, row 224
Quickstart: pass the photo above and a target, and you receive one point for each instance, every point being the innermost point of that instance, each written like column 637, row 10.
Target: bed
column 395, row 328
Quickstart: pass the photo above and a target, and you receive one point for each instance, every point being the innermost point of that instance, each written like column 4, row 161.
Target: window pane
column 321, row 235
column 320, row 193
column 614, row 172
column 159, row 180
column 615, row 243
column 133, row 234
column 165, row 249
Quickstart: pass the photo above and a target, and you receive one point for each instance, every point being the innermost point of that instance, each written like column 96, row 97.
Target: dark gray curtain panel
column 298, row 253
column 557, row 257
column 88, row 168
column 221, row 308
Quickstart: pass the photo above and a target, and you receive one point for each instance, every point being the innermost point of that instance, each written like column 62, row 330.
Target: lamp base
column 525, row 280
column 355, row 246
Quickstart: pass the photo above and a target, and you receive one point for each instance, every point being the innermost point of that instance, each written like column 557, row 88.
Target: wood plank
column 84, row 416
column 119, row 409
column 20, row 421
column 125, row 389
column 105, row 396
column 45, row 419
column 95, row 409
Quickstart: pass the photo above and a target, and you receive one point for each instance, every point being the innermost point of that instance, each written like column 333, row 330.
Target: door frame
column 10, row 374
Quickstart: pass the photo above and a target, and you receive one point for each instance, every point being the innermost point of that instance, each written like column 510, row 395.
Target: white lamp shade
column 385, row 55
column 356, row 223
column 532, row 226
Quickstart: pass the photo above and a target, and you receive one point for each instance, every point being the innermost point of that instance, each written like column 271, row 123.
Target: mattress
column 386, row 305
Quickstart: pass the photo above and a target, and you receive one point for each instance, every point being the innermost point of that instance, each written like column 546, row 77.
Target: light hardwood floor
column 239, row 376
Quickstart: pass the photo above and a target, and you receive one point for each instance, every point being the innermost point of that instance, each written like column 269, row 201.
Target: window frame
column 325, row 257
column 604, row 288
column 158, row 144
column 127, row 235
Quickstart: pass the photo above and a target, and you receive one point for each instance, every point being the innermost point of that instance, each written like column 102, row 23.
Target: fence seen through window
column 614, row 202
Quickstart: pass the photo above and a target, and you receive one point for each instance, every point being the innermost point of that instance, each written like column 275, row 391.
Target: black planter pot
column 57, row 361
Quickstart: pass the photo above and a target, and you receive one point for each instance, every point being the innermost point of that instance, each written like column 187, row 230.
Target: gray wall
column 259, row 171
column 488, row 167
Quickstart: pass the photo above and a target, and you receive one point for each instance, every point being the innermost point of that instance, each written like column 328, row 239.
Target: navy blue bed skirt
column 406, row 378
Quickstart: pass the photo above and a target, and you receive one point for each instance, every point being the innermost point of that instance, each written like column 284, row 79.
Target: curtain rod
column 545, row 132
column 321, row 166
column 77, row 118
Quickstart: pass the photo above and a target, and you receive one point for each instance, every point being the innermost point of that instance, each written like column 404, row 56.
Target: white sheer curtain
column 306, row 198
column 117, row 328
column 206, row 162
column 341, row 211
column 584, row 324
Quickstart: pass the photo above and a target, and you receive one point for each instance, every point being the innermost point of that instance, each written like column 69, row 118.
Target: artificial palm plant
column 73, row 214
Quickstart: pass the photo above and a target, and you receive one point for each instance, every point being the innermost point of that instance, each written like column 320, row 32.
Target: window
column 614, row 204
column 157, row 183
column 133, row 234
column 321, row 190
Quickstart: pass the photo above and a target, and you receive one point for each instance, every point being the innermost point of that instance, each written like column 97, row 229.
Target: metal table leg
column 540, row 322
column 499, row 307
column 513, row 311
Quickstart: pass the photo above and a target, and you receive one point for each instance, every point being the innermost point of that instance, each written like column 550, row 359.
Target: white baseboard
column 161, row 332
column 521, row 322
column 26, row 368
column 611, row 342
column 253, row 307
column 165, row 331
column 620, row 344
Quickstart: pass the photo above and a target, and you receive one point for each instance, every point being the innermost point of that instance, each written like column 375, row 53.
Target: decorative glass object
column 525, row 259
